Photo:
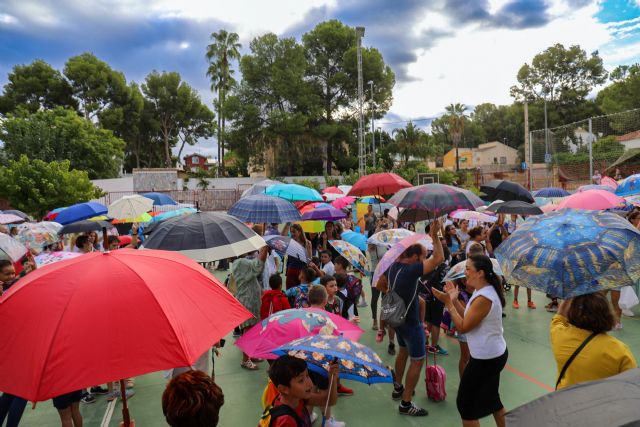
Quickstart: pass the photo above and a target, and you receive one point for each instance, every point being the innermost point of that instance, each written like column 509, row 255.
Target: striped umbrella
column 264, row 209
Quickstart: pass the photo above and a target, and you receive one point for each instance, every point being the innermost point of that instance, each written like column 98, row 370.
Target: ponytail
column 483, row 263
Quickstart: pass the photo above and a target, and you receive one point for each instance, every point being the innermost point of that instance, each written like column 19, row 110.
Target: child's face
column 325, row 258
column 300, row 387
column 332, row 288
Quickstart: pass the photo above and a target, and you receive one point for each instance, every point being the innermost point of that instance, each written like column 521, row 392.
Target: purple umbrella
column 324, row 214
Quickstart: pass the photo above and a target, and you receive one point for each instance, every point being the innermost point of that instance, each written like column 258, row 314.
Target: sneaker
column 412, row 410
column 344, row 391
column 332, row 422
column 116, row 395
column 438, row 350
column 98, row 390
column 628, row 312
column 396, row 394
column 380, row 335
column 515, row 304
column 531, row 304
column 391, row 349
column 551, row 307
column 88, row 398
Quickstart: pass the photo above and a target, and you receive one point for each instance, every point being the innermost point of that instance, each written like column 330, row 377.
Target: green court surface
column 530, row 373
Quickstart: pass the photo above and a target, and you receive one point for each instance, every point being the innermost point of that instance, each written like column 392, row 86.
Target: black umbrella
column 430, row 201
column 84, row 226
column 515, row 207
column 506, row 190
column 610, row 402
column 205, row 237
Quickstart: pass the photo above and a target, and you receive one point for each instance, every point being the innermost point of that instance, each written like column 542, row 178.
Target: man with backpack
column 402, row 279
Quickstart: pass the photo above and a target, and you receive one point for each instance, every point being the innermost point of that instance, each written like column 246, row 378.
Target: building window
column 195, row 160
column 495, row 160
column 503, row 160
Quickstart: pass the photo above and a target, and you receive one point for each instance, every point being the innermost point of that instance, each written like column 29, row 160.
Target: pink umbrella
column 610, row 182
column 392, row 254
column 592, row 200
column 285, row 326
column 342, row 202
column 332, row 190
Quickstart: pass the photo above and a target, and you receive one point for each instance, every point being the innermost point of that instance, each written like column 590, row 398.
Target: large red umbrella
column 378, row 184
column 144, row 311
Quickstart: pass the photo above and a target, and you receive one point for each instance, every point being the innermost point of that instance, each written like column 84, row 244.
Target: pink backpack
column 436, row 378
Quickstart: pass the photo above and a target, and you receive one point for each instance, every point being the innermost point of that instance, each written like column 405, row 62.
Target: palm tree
column 220, row 53
column 456, row 125
column 409, row 141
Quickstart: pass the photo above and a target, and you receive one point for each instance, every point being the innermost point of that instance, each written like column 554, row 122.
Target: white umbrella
column 130, row 207
column 345, row 188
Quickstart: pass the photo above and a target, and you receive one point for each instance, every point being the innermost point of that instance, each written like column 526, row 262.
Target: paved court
column 530, row 373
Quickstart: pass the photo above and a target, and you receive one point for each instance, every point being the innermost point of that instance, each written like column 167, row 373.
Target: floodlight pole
column 362, row 165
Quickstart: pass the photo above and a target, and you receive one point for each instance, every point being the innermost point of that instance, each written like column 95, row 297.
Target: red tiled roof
column 629, row 136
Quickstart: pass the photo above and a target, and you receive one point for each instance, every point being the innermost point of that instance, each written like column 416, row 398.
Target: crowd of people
column 468, row 308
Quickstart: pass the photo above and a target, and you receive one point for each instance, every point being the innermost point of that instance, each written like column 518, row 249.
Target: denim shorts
column 412, row 338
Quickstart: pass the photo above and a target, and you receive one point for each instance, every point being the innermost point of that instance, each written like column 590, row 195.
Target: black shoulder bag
column 573, row 356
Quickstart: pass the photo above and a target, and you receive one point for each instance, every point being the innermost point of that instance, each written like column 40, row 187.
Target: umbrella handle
column 326, row 405
column 126, row 420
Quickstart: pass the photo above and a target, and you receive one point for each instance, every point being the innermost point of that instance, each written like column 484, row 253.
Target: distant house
column 630, row 140
column 194, row 162
column 485, row 155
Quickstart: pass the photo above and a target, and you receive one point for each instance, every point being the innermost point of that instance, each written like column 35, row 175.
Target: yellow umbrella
column 145, row 217
column 312, row 226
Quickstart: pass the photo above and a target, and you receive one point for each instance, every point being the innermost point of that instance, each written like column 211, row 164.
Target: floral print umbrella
column 354, row 255
column 388, row 238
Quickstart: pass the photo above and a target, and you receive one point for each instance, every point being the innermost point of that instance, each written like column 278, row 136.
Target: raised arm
column 437, row 257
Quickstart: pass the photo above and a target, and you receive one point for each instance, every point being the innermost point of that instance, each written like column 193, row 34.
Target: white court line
column 106, row 420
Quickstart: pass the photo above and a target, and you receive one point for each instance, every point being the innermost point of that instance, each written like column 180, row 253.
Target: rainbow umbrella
column 352, row 254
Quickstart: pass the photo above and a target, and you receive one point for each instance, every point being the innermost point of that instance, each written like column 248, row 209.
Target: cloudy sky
column 442, row 51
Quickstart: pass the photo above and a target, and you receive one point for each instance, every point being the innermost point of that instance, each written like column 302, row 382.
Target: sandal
column 249, row 365
column 130, row 383
column 380, row 335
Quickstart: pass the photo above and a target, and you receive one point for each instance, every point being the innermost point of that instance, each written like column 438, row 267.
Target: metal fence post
column 590, row 150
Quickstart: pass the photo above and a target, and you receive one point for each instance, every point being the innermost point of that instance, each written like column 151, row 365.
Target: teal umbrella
column 294, row 193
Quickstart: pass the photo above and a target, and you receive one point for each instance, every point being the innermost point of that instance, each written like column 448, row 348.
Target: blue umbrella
column 572, row 252
column 551, row 192
column 172, row 214
column 160, row 198
column 294, row 193
column 595, row 187
column 370, row 200
column 81, row 211
column 357, row 361
column 629, row 186
column 542, row 201
column 264, row 209
column 356, row 239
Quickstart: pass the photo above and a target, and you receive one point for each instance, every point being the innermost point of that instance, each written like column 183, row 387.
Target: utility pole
column 527, row 144
column 546, row 142
column 373, row 129
column 362, row 164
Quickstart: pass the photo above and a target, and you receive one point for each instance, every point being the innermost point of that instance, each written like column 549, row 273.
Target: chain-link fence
column 575, row 154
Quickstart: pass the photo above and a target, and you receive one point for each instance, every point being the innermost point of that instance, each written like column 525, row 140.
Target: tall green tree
column 456, row 125
column 624, row 93
column 178, row 111
column 35, row 186
column 60, row 134
column 225, row 47
column 34, row 87
column 94, row 83
column 411, row 141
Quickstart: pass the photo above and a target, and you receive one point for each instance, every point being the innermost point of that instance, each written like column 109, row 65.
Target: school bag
column 435, row 379
column 354, row 287
column 271, row 413
column 301, row 300
column 393, row 310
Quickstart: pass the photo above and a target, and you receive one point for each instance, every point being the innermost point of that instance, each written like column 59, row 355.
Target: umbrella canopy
column 388, row 238
column 345, row 188
column 356, row 239
column 159, row 310
column 629, row 186
column 17, row 213
column 312, row 226
column 54, row 213
column 610, row 182
column 81, row 211
column 430, row 201
column 592, row 200
column 11, row 249
column 516, row 207
column 326, row 214
column 506, row 191
column 7, row 218
column 172, row 214
column 378, row 184
column 294, row 192
column 285, row 245
column 287, row 325
column 473, row 216
column 53, row 257
column 351, row 253
column 145, row 217
column 458, row 270
column 205, row 237
column 541, row 201
column 612, row 401
column 343, row 202
column 159, row 198
column 84, row 226
column 371, row 200
column 549, row 208
column 357, row 361
column 572, row 252
column 333, row 190
column 259, row 187
column 551, row 192
column 396, row 250
column 130, row 207
column 264, row 209
column 40, row 234
column 595, row 187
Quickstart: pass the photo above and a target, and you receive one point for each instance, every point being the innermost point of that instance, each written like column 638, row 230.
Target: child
column 353, row 285
column 273, row 300
column 68, row 406
column 300, row 293
column 296, row 390
column 334, row 304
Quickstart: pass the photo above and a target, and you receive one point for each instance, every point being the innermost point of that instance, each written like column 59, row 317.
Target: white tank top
column 486, row 341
